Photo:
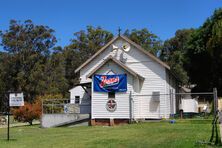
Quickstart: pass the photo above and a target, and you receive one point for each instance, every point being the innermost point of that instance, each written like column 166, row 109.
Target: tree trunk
column 30, row 122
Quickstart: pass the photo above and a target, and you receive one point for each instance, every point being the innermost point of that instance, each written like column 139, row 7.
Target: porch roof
column 86, row 84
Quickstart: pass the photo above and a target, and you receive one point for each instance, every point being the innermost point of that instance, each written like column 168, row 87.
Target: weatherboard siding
column 122, row 98
column 170, row 85
column 79, row 91
column 76, row 91
column 143, row 106
column 93, row 64
column 155, row 80
column 85, row 101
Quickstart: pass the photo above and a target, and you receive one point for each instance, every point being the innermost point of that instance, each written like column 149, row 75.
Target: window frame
column 77, row 97
column 111, row 95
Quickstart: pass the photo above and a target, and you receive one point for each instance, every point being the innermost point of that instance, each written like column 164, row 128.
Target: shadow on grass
column 6, row 140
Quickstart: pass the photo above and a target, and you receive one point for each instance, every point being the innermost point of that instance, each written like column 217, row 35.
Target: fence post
column 171, row 102
column 215, row 101
column 130, row 101
column 42, row 106
column 52, row 109
column 8, row 112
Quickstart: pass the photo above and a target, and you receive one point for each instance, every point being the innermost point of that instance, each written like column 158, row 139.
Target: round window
column 111, row 105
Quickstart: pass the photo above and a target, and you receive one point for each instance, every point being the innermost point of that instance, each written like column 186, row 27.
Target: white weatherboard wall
column 76, row 91
column 189, row 105
column 154, row 74
column 85, row 102
column 156, row 79
column 79, row 91
column 170, row 85
column 122, row 98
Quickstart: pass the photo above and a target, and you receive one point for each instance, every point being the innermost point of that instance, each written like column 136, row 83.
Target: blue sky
column 162, row 17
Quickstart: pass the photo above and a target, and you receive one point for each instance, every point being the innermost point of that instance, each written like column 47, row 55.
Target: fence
column 156, row 105
column 153, row 105
column 59, row 112
column 64, row 106
column 55, row 106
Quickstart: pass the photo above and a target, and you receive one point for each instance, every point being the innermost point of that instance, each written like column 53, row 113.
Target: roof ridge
column 131, row 42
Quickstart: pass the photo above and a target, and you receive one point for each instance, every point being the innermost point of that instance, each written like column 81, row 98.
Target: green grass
column 163, row 134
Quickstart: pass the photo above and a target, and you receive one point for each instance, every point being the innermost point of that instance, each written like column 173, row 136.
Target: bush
column 49, row 96
column 28, row 112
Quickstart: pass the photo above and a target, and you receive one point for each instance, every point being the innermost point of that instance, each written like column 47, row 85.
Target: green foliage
column 82, row 47
column 31, row 63
column 145, row 39
column 86, row 43
column 26, row 62
column 195, row 55
column 55, row 69
column 49, row 96
column 72, row 62
column 205, row 54
column 174, row 53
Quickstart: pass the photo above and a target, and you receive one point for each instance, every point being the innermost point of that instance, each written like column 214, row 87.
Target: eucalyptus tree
column 28, row 47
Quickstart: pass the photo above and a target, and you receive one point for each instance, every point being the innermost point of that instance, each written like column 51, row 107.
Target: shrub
column 28, row 112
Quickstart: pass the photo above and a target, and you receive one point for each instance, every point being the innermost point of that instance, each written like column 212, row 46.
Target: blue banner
column 110, row 83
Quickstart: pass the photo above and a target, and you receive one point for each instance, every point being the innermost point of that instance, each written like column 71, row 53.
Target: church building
column 123, row 82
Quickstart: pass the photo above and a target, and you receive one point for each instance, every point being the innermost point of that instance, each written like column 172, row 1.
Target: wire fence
column 172, row 104
column 151, row 105
column 59, row 106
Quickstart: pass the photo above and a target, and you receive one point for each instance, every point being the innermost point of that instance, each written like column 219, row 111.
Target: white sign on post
column 16, row 99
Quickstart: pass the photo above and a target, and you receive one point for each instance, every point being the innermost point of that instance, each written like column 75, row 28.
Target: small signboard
column 16, row 99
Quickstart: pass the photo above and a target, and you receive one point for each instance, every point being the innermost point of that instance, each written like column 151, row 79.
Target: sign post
column 8, row 114
column 14, row 99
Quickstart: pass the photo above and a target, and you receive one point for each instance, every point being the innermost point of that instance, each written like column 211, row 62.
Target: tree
column 28, row 38
column 28, row 48
column 72, row 62
column 88, row 42
column 82, row 47
column 55, row 70
column 174, row 53
column 205, row 54
column 7, row 69
column 146, row 39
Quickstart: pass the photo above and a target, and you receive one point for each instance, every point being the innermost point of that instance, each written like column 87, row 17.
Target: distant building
column 188, row 104
column 80, row 95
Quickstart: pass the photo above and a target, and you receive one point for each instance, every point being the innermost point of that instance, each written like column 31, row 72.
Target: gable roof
column 118, row 63
column 131, row 42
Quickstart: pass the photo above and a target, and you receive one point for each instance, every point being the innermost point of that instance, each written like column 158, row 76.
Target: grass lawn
column 162, row 134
